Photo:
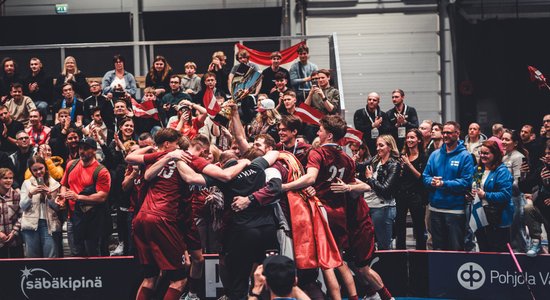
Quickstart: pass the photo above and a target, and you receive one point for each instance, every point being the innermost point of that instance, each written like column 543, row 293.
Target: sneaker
column 535, row 248
column 119, row 250
column 373, row 297
column 190, row 296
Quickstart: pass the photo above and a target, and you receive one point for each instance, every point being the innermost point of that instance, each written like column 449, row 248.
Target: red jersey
column 81, row 177
column 331, row 162
column 300, row 150
column 165, row 190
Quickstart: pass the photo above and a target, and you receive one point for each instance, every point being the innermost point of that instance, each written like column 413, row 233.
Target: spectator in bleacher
column 9, row 75
column 21, row 156
column 218, row 66
column 243, row 57
column 184, row 122
column 169, row 100
column 537, row 210
column 60, row 130
column 495, row 192
column 39, row 220
column 191, row 82
column 121, row 111
column 53, row 163
column 97, row 99
column 68, row 147
column 448, row 176
column 19, row 105
column 402, row 117
column 10, row 241
column 149, row 124
column 371, row 121
column 119, row 83
column 382, row 176
column 300, row 73
column 437, row 139
column 474, row 139
column 125, row 133
column 38, row 85
column 10, row 127
column 267, row 120
column 71, row 101
column 360, row 152
column 39, row 133
column 411, row 195
column 159, row 75
column 528, row 137
column 99, row 132
column 281, row 86
column 426, row 128
column 268, row 80
column 322, row 96
column 514, row 154
column 287, row 106
column 73, row 75
column 85, row 197
column 498, row 130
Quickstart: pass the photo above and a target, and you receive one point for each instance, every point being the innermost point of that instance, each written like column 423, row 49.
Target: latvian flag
column 146, row 109
column 478, row 219
column 210, row 103
column 263, row 59
column 352, row 136
column 308, row 114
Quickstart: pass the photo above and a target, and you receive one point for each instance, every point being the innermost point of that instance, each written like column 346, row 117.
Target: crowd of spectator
column 75, row 152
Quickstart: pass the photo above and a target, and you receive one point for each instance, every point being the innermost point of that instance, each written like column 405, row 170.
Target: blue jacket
column 498, row 189
column 456, row 169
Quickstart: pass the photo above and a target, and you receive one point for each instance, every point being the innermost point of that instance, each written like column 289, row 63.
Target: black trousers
column 413, row 202
column 244, row 248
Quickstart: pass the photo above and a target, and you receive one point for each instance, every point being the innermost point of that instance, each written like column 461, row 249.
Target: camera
column 314, row 82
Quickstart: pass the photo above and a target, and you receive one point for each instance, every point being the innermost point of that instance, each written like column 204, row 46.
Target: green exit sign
column 62, row 8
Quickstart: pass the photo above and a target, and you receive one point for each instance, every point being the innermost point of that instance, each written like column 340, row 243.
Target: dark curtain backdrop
column 491, row 68
column 117, row 27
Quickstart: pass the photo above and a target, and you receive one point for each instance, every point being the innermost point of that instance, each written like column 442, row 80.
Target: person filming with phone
column 322, row 96
column 40, row 225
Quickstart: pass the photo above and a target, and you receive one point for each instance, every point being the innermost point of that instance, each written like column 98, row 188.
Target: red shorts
column 361, row 231
column 158, row 241
column 188, row 227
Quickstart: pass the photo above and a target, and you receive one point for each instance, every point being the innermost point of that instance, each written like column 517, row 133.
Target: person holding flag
column 495, row 193
column 146, row 112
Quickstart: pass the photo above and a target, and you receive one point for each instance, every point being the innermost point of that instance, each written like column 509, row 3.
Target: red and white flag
column 210, row 103
column 352, row 136
column 263, row 59
column 308, row 114
column 146, row 109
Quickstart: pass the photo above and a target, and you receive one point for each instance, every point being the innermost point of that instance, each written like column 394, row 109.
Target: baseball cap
column 265, row 105
column 88, row 141
column 279, row 267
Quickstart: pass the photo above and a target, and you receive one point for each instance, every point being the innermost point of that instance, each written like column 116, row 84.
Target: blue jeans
column 39, row 243
column 383, row 218
column 519, row 239
column 448, row 231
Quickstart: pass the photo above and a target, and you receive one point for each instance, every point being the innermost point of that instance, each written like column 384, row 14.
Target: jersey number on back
column 336, row 172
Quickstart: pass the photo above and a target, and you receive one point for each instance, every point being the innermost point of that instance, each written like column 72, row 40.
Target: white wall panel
column 382, row 52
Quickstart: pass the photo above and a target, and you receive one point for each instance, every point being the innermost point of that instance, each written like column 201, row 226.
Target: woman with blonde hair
column 382, row 176
column 39, row 221
column 71, row 74
column 10, row 241
column 267, row 120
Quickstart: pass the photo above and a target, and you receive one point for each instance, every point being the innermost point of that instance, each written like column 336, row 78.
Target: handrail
column 157, row 43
